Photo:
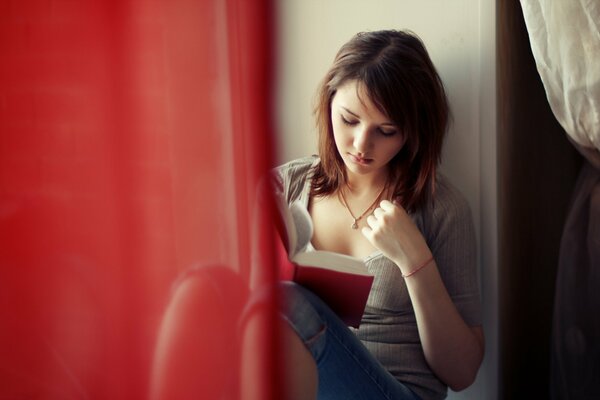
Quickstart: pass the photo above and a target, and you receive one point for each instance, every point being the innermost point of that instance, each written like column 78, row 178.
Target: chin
column 360, row 169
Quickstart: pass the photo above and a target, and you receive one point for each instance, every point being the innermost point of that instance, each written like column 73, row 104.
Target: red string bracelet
column 420, row 267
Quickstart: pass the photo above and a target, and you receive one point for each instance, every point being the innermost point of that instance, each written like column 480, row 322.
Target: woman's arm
column 453, row 350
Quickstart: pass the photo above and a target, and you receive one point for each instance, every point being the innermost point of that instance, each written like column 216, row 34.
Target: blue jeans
column 346, row 368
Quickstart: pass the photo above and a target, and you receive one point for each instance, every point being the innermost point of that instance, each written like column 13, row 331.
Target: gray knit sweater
column 389, row 327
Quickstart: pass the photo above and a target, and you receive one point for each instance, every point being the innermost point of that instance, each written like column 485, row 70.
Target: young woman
column 374, row 193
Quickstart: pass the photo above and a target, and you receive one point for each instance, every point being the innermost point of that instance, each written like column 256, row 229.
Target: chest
column 332, row 229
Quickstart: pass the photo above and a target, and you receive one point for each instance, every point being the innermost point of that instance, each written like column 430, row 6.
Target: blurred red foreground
column 132, row 137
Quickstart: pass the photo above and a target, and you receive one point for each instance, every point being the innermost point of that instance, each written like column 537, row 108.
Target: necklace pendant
column 354, row 225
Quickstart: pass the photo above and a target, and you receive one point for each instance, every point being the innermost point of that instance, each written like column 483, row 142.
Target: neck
column 365, row 184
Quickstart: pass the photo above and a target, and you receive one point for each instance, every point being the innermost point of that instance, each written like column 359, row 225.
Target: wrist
column 416, row 267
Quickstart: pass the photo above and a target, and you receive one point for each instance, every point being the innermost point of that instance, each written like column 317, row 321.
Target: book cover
column 341, row 281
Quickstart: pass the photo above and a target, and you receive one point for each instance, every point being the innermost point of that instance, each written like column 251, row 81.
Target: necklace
column 356, row 219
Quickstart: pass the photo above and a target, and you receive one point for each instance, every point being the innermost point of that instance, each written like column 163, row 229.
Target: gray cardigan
column 389, row 327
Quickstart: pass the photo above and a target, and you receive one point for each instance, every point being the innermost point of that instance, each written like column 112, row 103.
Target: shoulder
column 297, row 167
column 448, row 215
column 448, row 200
column 290, row 177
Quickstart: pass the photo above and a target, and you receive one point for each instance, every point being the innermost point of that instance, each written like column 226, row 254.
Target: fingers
column 372, row 221
column 378, row 212
column 376, row 225
column 387, row 205
column 367, row 232
column 386, row 212
column 391, row 205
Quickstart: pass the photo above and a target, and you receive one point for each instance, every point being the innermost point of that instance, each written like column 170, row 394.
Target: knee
column 292, row 296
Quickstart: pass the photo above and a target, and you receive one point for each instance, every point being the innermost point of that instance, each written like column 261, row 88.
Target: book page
column 332, row 261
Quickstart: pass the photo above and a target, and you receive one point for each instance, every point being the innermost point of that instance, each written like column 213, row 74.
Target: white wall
column 460, row 37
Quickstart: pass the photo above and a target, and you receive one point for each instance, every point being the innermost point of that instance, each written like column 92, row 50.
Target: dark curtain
column 565, row 41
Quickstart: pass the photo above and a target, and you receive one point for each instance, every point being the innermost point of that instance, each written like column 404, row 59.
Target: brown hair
column 399, row 77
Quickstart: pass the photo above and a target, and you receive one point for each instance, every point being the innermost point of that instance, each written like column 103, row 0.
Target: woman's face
column 365, row 138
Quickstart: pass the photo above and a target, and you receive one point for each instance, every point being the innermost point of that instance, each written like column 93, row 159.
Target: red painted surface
column 132, row 137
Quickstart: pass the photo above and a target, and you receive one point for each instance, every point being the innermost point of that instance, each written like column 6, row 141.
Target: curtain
column 132, row 136
column 565, row 41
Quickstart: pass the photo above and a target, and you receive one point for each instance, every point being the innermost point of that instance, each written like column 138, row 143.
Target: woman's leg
column 346, row 369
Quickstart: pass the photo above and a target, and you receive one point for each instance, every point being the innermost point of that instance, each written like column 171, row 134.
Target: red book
column 341, row 281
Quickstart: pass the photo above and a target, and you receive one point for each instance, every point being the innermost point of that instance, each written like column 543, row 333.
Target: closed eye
column 387, row 132
column 348, row 122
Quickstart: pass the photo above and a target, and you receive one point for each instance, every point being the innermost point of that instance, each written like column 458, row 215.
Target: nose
column 362, row 140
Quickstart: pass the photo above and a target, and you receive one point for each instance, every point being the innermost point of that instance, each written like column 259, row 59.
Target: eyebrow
column 350, row 112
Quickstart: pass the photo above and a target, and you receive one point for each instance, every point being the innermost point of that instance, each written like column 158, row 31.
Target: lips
column 359, row 159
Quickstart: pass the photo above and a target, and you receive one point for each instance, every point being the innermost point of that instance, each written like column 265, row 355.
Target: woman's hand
column 394, row 233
